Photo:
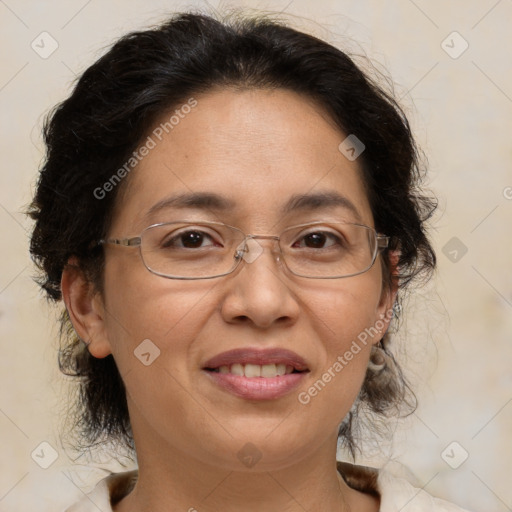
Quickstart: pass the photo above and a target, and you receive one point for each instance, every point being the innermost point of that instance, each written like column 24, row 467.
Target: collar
column 360, row 478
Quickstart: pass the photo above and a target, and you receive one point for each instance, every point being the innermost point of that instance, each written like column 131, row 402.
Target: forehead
column 259, row 149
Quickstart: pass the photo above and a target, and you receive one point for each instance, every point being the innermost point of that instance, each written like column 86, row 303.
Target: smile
column 266, row 371
column 257, row 374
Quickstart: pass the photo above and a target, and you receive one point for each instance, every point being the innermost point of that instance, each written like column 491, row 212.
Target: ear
column 389, row 293
column 85, row 308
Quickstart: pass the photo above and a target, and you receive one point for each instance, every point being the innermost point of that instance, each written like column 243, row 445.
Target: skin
column 257, row 148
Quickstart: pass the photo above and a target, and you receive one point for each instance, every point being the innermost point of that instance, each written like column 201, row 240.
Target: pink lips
column 257, row 388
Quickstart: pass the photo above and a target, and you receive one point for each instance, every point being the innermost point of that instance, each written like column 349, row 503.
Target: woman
column 230, row 213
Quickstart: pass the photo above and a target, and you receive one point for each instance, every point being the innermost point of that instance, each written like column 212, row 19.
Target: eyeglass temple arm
column 127, row 242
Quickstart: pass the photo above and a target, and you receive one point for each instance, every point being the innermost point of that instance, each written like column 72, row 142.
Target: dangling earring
column 378, row 358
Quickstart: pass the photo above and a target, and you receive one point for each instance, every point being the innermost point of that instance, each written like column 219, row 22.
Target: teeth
column 252, row 370
column 281, row 369
column 256, row 370
column 237, row 369
column 268, row 370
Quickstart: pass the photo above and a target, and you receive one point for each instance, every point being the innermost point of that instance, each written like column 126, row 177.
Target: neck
column 172, row 480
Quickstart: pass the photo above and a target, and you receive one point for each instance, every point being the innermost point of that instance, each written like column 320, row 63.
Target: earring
column 378, row 358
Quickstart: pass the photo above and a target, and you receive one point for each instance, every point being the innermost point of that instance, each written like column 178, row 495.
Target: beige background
column 458, row 342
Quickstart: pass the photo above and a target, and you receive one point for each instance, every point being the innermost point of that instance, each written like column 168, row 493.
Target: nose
column 259, row 292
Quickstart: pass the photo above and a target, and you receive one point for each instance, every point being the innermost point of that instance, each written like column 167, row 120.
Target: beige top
column 396, row 494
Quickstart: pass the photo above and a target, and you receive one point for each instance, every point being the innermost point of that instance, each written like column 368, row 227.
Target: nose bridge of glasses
column 250, row 250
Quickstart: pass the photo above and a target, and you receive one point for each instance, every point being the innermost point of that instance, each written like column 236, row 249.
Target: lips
column 257, row 357
column 257, row 375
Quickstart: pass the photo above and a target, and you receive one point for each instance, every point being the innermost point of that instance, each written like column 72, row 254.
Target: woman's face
column 256, row 150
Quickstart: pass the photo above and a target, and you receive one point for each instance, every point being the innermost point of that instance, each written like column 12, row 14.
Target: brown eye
column 315, row 240
column 191, row 239
column 318, row 240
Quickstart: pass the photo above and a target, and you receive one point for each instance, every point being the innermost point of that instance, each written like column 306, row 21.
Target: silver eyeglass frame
column 381, row 243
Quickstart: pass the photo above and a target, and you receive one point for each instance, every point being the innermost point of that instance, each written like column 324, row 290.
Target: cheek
column 142, row 306
column 153, row 326
column 346, row 322
column 347, row 313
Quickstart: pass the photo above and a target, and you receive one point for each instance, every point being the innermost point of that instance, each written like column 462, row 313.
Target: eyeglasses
column 205, row 250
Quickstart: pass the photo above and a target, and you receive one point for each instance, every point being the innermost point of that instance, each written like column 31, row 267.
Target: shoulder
column 396, row 494
column 107, row 492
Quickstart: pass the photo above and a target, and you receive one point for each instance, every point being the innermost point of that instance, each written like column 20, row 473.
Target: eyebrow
column 320, row 201
column 218, row 203
column 198, row 200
